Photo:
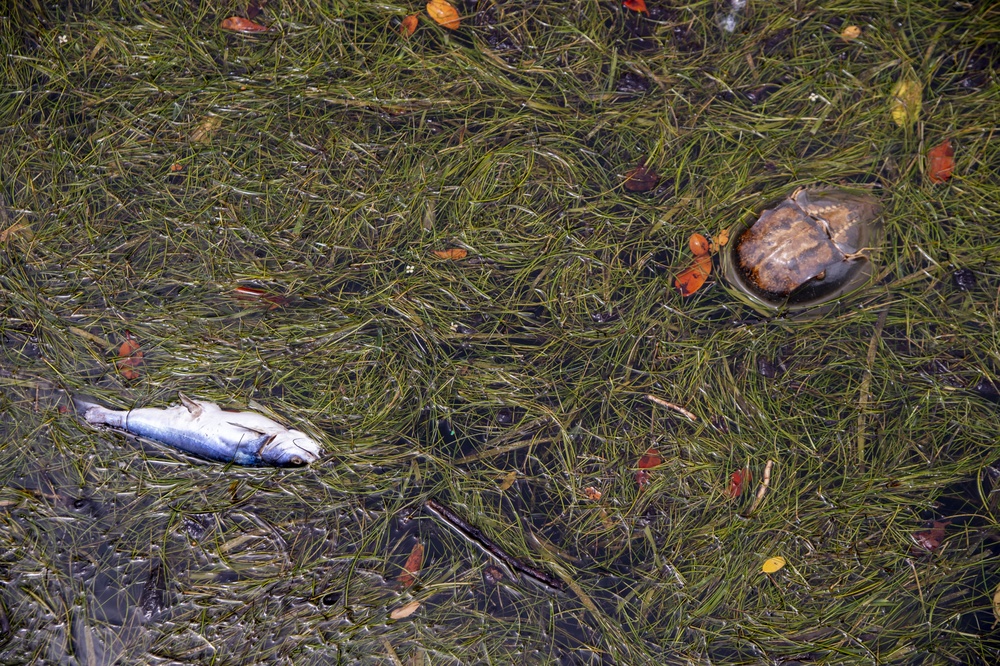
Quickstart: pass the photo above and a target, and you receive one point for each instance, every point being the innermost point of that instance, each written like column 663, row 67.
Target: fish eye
column 295, row 461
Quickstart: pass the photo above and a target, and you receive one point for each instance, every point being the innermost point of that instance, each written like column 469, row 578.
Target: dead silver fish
column 208, row 431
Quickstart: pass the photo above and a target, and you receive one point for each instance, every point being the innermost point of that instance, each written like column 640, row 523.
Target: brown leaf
column 592, row 493
column 240, row 24
column 650, row 458
column 454, row 253
column 930, row 540
column 941, row 162
column 719, row 241
column 698, row 244
column 176, row 166
column 412, row 566
column 691, row 280
column 641, row 178
column 444, row 14
column 130, row 357
column 408, row 25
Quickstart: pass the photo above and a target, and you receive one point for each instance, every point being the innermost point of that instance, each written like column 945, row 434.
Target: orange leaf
column 444, row 14
column 637, row 6
column 693, row 278
column 698, row 244
column 129, row 357
column 454, row 253
column 641, row 178
column 408, row 25
column 412, row 566
column 940, row 162
column 737, row 481
column 592, row 493
column 240, row 24
column 650, row 458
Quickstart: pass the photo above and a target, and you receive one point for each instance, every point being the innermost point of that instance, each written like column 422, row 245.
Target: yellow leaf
column 773, row 564
column 996, row 605
column 206, row 130
column 405, row 611
column 443, row 14
column 508, row 479
column 850, row 32
column 16, row 229
column 904, row 102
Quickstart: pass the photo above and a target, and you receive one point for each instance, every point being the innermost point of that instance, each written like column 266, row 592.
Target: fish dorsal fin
column 193, row 407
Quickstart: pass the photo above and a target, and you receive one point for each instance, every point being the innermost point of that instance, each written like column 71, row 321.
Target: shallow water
column 161, row 170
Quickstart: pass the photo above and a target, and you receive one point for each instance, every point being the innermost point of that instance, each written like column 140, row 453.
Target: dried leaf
column 904, row 101
column 737, row 481
column 253, row 294
column 17, row 229
column 508, row 479
column 240, row 24
column 773, row 564
column 698, row 244
column 691, row 280
column 408, row 26
column 207, row 129
column 641, row 178
column 850, row 32
column 592, row 493
column 454, row 253
column 176, row 166
column 940, row 162
column 636, row 6
column 996, row 606
column 405, row 611
column 642, row 478
column 444, row 14
column 930, row 540
column 412, row 566
column 130, row 357
column 650, row 458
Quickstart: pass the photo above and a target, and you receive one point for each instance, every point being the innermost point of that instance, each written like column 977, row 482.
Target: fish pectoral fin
column 193, row 407
column 243, row 427
column 264, row 444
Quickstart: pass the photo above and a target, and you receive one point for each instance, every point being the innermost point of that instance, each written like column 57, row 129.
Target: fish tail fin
column 83, row 403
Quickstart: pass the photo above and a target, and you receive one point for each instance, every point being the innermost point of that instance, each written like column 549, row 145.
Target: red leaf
column 253, row 294
column 940, row 162
column 240, row 24
column 637, row 6
column 129, row 357
column 412, row 566
column 641, row 178
column 691, row 280
column 737, row 481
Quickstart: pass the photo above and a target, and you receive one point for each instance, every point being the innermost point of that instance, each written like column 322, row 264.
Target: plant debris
column 444, row 14
column 940, row 162
column 239, row 24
